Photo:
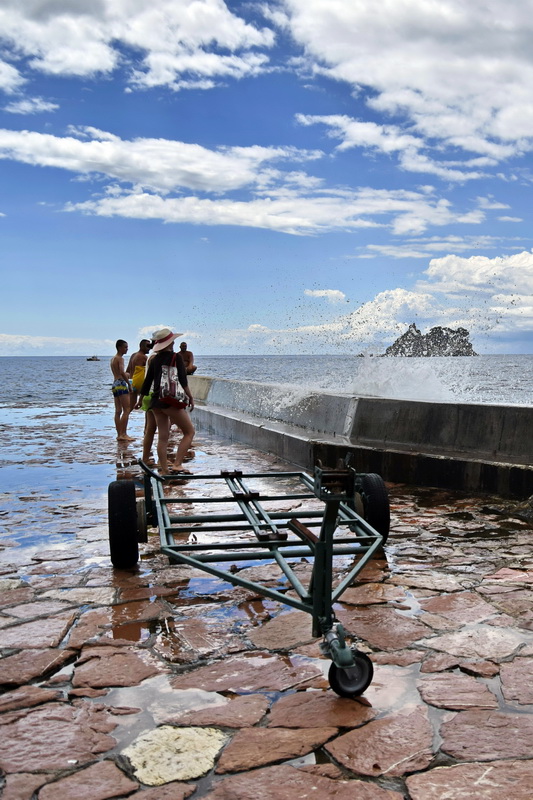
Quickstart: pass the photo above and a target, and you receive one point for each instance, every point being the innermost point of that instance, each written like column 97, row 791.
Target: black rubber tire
column 142, row 522
column 122, row 517
column 376, row 503
column 352, row 681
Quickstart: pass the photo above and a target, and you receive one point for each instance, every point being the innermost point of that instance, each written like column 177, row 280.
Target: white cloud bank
column 489, row 297
column 448, row 73
column 174, row 43
column 142, row 173
column 23, row 345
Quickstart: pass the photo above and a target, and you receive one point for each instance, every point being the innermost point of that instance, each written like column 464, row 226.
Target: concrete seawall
column 451, row 445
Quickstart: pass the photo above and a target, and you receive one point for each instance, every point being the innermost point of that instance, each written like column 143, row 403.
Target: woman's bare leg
column 163, row 428
column 181, row 418
column 150, row 427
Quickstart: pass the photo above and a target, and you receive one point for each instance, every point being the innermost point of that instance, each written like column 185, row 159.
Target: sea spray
column 401, row 379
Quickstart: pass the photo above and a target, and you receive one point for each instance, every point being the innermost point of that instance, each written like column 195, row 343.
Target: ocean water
column 71, row 381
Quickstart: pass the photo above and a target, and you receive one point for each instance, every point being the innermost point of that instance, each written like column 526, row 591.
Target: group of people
column 139, row 385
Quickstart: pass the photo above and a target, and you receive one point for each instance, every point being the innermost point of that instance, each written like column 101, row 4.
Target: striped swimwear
column 120, row 387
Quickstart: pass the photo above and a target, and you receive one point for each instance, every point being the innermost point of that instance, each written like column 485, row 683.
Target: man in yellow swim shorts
column 137, row 367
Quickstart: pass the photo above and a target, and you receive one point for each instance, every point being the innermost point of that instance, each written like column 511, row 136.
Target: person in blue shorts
column 121, row 389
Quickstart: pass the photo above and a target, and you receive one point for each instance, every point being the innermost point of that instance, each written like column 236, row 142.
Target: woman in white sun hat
column 164, row 412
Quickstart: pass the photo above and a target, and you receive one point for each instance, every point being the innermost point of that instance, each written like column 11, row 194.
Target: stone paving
column 165, row 683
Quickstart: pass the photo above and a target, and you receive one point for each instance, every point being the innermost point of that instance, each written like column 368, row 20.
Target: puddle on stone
column 156, row 701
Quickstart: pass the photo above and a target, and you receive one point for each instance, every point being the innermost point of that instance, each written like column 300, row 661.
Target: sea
column 70, row 381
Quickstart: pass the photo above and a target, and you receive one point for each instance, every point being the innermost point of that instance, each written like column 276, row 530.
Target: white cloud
column 404, row 212
column 30, row 105
column 17, row 345
column 428, row 246
column 159, row 164
column 458, row 73
column 331, row 295
column 10, row 78
column 175, row 43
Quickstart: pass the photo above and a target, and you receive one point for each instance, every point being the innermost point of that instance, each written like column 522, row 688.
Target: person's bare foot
column 126, row 438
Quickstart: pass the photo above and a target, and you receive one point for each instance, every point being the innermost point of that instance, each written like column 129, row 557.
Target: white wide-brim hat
column 163, row 338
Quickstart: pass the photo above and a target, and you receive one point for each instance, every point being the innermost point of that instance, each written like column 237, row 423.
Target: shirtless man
column 136, row 369
column 121, row 390
column 188, row 359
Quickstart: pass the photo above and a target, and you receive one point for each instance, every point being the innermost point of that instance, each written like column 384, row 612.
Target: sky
column 301, row 176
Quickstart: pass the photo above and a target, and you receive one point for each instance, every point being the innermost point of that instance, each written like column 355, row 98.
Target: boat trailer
column 350, row 520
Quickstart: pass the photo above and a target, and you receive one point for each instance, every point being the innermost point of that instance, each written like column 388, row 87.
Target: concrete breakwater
column 451, row 445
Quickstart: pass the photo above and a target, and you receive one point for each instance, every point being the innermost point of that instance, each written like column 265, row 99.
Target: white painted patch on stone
column 174, row 754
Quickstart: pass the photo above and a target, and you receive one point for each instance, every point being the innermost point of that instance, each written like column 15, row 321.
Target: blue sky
column 299, row 176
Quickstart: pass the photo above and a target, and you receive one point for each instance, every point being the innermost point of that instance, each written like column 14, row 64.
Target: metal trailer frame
column 341, row 490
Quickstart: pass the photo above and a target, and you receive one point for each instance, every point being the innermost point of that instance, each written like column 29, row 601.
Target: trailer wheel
column 142, row 522
column 376, row 503
column 122, row 517
column 352, row 681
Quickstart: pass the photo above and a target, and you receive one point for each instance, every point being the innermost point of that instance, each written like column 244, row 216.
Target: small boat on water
column 93, row 358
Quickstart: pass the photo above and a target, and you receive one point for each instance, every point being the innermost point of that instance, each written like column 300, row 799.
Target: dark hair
column 120, row 342
column 145, row 341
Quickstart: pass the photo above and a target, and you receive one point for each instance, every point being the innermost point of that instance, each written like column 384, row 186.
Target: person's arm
column 122, row 372
column 131, row 364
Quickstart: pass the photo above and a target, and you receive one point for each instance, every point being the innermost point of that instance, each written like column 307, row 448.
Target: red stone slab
column 29, row 664
column 89, row 626
column 517, row 681
column 382, row 627
column 482, row 641
column 305, row 709
column 247, row 674
column 39, row 608
column 487, row 736
column 460, row 607
column 485, row 669
column 399, row 658
column 20, row 595
column 288, row 783
column 37, row 634
column 105, row 666
column 398, row 744
column 372, row 594
column 488, row 781
column 26, row 697
column 457, row 692
column 100, row 781
column 256, row 747
column 242, row 712
column 22, row 785
column 170, row 791
column 52, row 736
column 439, row 662
column 284, row 632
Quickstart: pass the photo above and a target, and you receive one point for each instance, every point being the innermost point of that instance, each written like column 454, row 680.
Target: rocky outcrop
column 438, row 342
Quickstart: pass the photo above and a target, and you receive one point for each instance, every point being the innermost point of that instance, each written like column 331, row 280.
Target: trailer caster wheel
column 352, row 681
column 122, row 515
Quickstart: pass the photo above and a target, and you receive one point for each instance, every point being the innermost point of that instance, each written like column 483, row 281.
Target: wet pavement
column 165, row 683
